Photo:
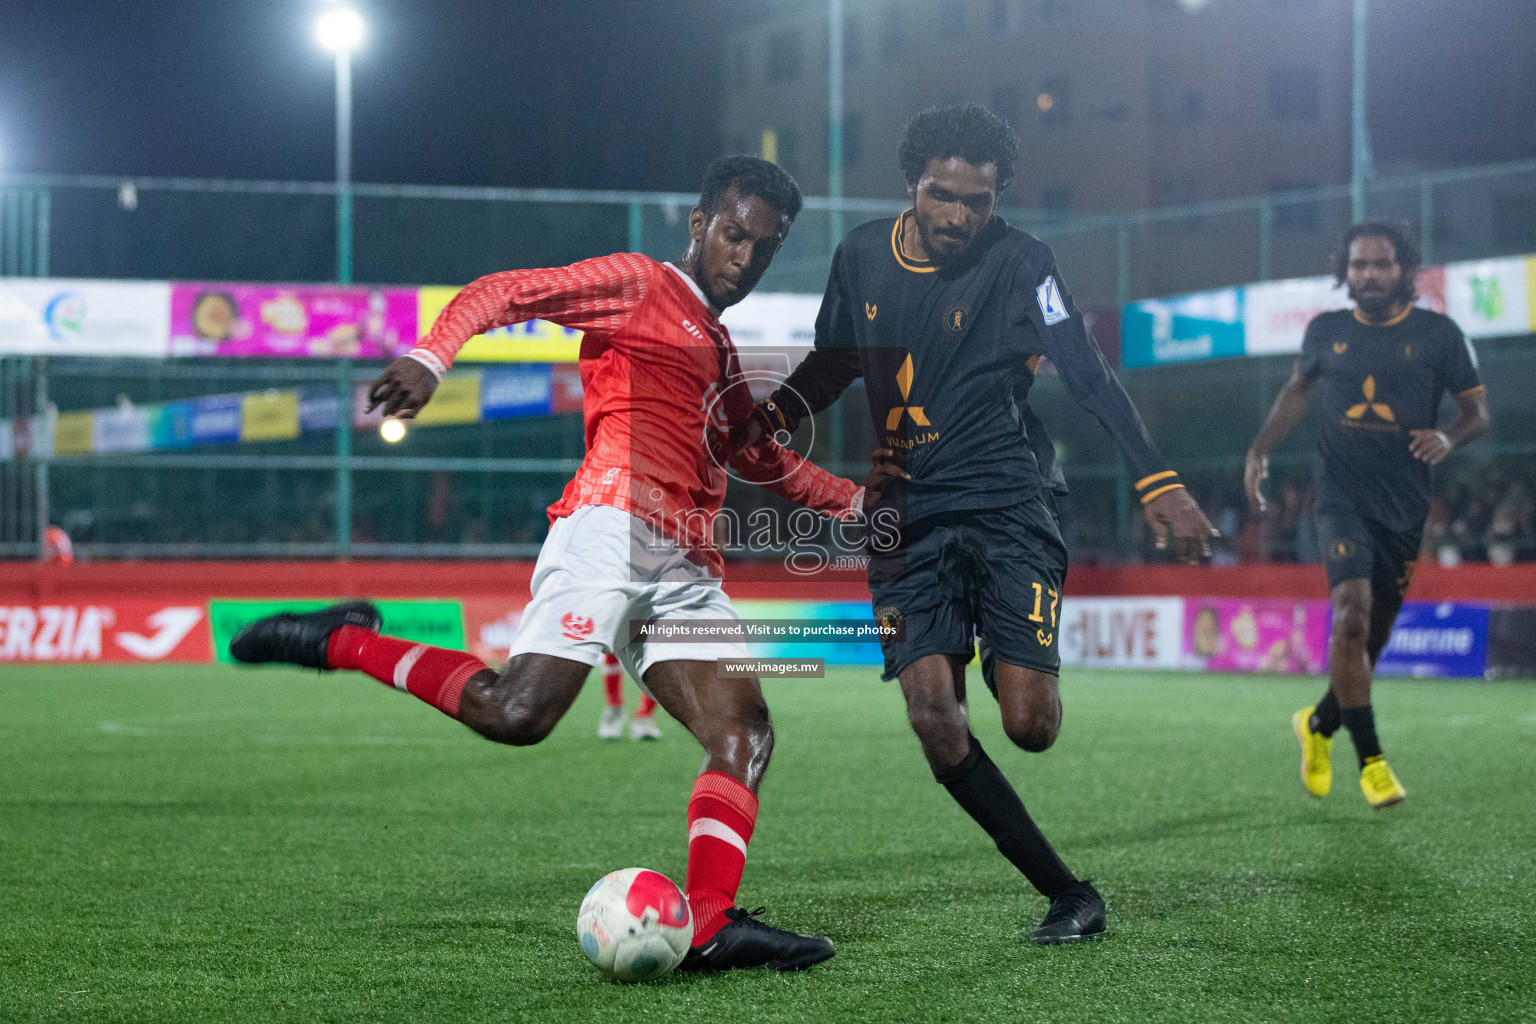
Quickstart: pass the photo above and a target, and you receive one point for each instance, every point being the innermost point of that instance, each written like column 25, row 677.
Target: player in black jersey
column 1383, row 368
column 945, row 312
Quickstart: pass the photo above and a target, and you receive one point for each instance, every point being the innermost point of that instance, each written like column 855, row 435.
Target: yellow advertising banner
column 72, row 433
column 269, row 416
column 456, row 400
column 536, row 341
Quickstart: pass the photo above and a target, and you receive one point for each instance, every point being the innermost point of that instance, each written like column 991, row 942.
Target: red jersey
column 660, row 386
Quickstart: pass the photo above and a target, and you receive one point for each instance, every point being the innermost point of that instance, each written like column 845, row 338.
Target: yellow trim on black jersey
column 1472, row 391
column 916, row 266
column 1385, row 323
column 1160, row 491
column 1154, row 478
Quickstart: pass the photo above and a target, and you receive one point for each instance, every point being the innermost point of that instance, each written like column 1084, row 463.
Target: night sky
column 619, row 95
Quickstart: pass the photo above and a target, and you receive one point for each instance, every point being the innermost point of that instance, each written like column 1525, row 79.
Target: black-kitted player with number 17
column 945, row 313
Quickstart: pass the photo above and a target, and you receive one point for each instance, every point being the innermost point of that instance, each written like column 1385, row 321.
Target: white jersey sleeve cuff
column 430, row 361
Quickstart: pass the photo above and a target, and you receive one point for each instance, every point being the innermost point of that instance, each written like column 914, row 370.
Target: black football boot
column 300, row 638
column 748, row 942
column 1076, row 915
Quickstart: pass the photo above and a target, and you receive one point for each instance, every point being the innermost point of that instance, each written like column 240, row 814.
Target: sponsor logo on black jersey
column 904, row 381
column 1379, row 409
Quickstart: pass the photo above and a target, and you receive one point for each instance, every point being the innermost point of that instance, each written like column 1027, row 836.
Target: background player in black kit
column 945, row 312
column 1384, row 367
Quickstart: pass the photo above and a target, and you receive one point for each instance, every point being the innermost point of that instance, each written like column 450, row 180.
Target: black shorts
column 993, row 572
column 1357, row 547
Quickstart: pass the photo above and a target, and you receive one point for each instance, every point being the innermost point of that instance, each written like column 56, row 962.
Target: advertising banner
column 1491, row 298
column 536, row 341
column 456, row 400
column 1183, row 328
column 490, row 623
column 439, row 623
column 121, row 429
column 511, row 391
column 111, row 630
column 74, row 433
column 217, row 419
column 65, row 317
column 1431, row 639
column 1226, row 634
column 782, row 320
column 1276, row 313
column 1121, row 632
column 269, row 416
column 322, row 321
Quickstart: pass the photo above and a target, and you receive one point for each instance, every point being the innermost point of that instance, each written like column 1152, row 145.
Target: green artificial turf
column 211, row 844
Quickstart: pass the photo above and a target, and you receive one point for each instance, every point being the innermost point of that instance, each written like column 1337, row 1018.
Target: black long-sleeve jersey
column 948, row 355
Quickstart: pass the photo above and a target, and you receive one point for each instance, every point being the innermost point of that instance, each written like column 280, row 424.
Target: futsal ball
column 634, row 925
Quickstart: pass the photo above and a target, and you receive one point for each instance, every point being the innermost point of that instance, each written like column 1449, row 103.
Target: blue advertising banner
column 508, row 392
column 1437, row 640
column 216, row 418
column 1183, row 329
column 319, row 409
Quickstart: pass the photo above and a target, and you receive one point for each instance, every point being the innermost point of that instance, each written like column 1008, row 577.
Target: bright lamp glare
column 392, row 431
column 340, row 29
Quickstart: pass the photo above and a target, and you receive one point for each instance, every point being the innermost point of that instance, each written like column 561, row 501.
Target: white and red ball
column 635, row 925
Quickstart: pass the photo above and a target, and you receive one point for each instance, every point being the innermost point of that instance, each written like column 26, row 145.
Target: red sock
column 721, row 815
column 435, row 674
column 647, row 705
column 613, row 681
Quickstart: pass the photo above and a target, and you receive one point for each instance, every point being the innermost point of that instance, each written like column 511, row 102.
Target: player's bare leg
column 934, row 688
column 522, row 704
column 1031, row 705
column 519, row 705
column 729, row 718
column 1357, row 640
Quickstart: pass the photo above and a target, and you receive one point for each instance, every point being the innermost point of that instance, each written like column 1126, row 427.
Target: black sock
column 1361, row 723
column 978, row 786
column 1325, row 717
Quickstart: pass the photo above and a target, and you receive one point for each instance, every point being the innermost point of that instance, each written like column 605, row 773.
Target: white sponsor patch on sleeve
column 1049, row 297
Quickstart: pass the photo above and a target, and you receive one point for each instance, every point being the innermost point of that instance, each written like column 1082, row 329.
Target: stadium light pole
column 1360, row 140
column 340, row 29
column 835, row 121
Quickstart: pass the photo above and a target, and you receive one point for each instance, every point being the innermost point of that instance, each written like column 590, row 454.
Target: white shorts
column 600, row 573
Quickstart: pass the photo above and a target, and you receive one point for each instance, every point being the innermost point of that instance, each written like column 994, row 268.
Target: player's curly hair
column 966, row 130
column 750, row 176
column 1409, row 257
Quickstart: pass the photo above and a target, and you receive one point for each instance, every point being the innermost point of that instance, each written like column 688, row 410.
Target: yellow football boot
column 1316, row 754
column 1379, row 785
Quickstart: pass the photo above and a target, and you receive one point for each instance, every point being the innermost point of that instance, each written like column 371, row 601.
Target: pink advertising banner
column 1226, row 634
column 318, row 321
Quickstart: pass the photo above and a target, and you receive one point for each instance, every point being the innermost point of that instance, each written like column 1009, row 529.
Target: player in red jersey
column 630, row 540
column 611, row 725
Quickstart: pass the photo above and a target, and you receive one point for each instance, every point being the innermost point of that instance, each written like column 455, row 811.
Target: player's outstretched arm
column 593, row 295
column 1047, row 309
column 1290, row 406
column 795, row 478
